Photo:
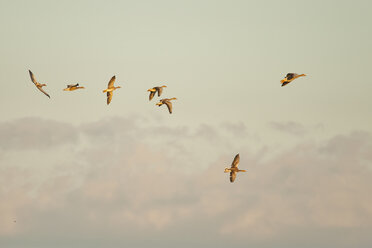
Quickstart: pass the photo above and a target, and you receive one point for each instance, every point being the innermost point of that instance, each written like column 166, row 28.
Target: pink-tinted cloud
column 35, row 134
column 130, row 186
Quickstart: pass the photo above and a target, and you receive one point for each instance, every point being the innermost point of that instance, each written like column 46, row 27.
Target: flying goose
column 110, row 89
column 234, row 168
column 72, row 87
column 158, row 89
column 290, row 77
column 167, row 101
column 38, row 85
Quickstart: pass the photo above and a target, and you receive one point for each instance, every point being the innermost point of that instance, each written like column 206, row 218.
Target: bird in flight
column 110, row 89
column 158, row 89
column 167, row 101
column 290, row 77
column 72, row 87
column 37, row 84
column 234, row 168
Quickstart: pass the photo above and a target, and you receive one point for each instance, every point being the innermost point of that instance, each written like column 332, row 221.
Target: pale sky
column 75, row 172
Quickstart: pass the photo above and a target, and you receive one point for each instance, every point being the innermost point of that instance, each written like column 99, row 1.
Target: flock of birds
column 110, row 91
column 233, row 170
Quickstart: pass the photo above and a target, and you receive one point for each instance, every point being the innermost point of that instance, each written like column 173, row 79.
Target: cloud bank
column 128, row 182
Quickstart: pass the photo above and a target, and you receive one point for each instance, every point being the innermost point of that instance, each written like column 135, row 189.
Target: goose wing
column 152, row 94
column 111, row 83
column 43, row 92
column 169, row 105
column 109, row 97
column 235, row 161
column 232, row 176
column 290, row 76
column 160, row 90
column 32, row 77
column 72, row 85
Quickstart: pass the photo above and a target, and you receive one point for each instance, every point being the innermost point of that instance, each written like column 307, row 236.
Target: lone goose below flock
column 234, row 168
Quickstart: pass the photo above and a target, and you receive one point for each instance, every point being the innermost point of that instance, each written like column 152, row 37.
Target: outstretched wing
column 169, row 105
column 109, row 97
column 111, row 83
column 32, row 77
column 160, row 90
column 289, row 76
column 43, row 91
column 284, row 82
column 152, row 94
column 72, row 85
column 235, row 161
column 232, row 176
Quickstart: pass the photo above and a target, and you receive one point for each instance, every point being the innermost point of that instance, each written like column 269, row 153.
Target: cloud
column 238, row 129
column 308, row 187
column 35, row 133
column 289, row 127
column 127, row 186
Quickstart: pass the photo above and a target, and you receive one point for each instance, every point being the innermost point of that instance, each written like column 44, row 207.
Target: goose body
column 110, row 89
column 290, row 77
column 234, row 168
column 167, row 101
column 37, row 84
column 158, row 89
column 72, row 87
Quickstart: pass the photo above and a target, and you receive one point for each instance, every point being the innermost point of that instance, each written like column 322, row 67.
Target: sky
column 75, row 172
